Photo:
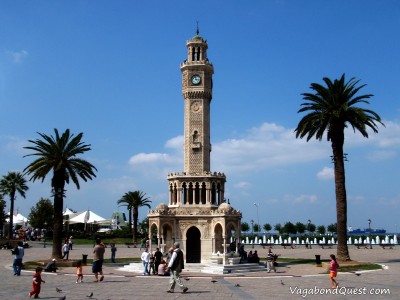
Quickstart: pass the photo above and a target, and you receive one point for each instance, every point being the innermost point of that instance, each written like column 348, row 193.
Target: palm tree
column 331, row 109
column 10, row 184
column 59, row 154
column 134, row 200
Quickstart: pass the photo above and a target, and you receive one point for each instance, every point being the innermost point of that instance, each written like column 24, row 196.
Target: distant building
column 118, row 220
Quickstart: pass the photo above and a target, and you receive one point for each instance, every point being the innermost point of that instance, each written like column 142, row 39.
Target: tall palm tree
column 134, row 200
column 59, row 154
column 10, row 184
column 331, row 109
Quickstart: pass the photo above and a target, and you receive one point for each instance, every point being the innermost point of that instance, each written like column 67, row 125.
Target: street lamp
column 44, row 235
column 258, row 220
column 252, row 231
column 308, row 226
column 369, row 227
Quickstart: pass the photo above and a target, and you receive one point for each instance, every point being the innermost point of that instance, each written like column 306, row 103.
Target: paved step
column 204, row 268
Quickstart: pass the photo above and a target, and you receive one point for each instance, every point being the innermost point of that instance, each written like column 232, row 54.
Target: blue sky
column 110, row 69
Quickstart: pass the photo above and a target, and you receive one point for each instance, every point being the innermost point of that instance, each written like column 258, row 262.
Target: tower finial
column 197, row 28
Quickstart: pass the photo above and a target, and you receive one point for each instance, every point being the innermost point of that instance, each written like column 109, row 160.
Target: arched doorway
column 218, row 240
column 193, row 245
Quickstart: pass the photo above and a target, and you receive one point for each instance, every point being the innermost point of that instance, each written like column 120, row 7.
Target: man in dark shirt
column 157, row 259
column 176, row 266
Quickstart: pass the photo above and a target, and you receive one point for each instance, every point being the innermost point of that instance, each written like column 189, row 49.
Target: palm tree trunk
column 10, row 228
column 58, row 218
column 341, row 198
column 135, row 222
column 130, row 219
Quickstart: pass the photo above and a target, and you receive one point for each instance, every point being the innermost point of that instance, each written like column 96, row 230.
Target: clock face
column 196, row 79
column 196, row 106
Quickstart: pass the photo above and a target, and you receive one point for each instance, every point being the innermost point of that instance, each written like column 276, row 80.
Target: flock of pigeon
column 65, row 297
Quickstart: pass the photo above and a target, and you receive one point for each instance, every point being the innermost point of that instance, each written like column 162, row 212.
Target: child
column 79, row 271
column 151, row 264
column 37, row 281
column 333, row 271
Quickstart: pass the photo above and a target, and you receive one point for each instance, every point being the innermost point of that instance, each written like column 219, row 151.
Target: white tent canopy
column 87, row 217
column 69, row 213
column 18, row 219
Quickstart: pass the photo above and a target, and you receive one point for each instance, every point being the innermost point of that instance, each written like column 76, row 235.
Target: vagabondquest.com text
column 304, row 292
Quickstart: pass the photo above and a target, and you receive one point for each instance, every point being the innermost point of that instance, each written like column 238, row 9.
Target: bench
column 267, row 245
column 288, row 245
column 131, row 244
column 328, row 246
column 387, row 245
column 361, row 245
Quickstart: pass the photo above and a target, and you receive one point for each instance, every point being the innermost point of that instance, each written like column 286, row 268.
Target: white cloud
column 305, row 198
column 355, row 199
column 175, row 143
column 243, row 185
column 381, row 155
column 18, row 56
column 266, row 146
column 118, row 186
column 13, row 144
column 144, row 158
column 326, row 173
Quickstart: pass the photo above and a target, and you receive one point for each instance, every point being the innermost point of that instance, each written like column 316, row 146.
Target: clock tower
column 197, row 74
column 197, row 215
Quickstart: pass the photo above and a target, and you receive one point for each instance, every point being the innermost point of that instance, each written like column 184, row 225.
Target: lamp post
column 369, row 228
column 252, row 231
column 308, row 226
column 258, row 220
column 44, row 234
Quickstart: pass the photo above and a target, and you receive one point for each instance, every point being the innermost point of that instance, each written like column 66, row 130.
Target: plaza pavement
column 290, row 282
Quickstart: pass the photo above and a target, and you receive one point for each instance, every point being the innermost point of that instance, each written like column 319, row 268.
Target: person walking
column 145, row 257
column 36, row 283
column 70, row 242
column 65, row 249
column 98, row 259
column 113, row 251
column 333, row 266
column 270, row 261
column 157, row 258
column 18, row 251
column 175, row 267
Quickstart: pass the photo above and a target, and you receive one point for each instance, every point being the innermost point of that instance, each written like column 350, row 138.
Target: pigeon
column 186, row 278
column 90, row 295
column 356, row 273
column 62, row 298
column 282, row 282
column 213, row 281
column 58, row 290
column 237, row 284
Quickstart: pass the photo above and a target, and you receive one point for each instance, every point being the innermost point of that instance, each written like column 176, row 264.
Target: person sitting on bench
column 51, row 266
